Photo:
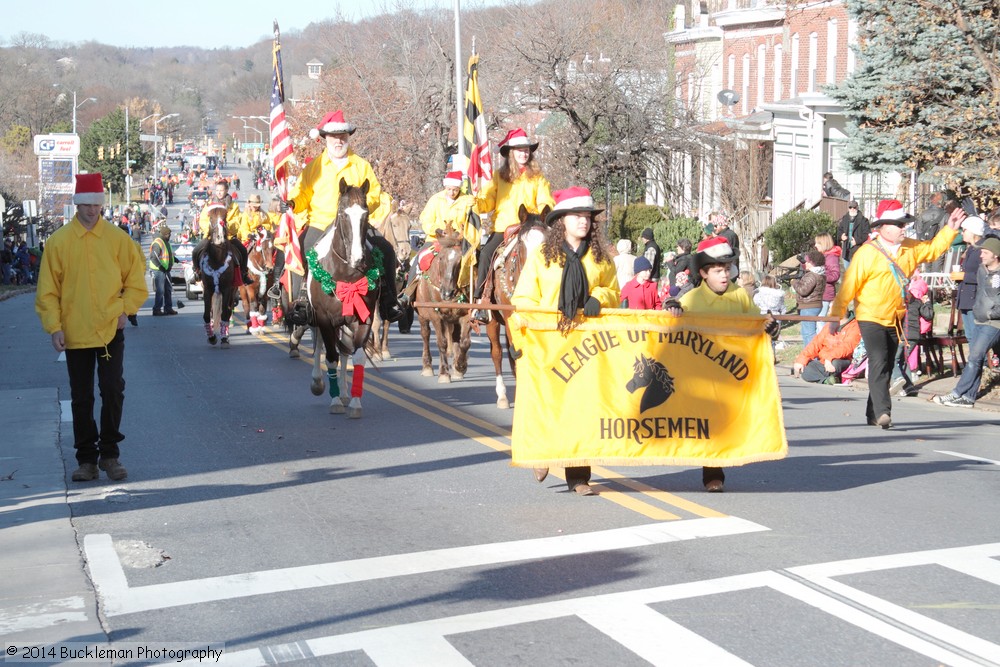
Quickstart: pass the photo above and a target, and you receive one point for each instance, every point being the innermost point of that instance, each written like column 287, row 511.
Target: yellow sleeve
column 607, row 291
column 849, row 284
column 49, row 291
column 543, row 195
column 528, row 291
column 429, row 217
column 928, row 251
column 486, row 200
column 302, row 191
column 134, row 293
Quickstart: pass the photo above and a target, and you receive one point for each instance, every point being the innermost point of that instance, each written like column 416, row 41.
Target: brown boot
column 115, row 471
column 87, row 472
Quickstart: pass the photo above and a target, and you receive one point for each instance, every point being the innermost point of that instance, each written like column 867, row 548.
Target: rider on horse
column 233, row 215
column 253, row 219
column 449, row 207
column 518, row 181
column 316, row 196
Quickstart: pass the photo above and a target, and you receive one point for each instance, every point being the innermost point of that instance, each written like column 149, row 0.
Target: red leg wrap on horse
column 358, row 381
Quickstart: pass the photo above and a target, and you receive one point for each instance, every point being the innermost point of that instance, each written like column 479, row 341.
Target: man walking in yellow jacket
column 91, row 278
column 877, row 279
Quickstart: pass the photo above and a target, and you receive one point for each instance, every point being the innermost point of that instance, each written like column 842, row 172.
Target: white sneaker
column 896, row 385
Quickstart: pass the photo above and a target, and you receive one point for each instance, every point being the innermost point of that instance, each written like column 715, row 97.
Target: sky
column 203, row 23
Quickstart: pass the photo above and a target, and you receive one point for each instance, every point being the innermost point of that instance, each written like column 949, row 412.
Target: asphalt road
column 254, row 518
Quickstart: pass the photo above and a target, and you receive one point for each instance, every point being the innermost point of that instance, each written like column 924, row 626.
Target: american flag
column 480, row 159
column 281, row 153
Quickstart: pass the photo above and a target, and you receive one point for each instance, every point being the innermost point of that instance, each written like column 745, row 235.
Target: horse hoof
column 457, row 376
column 293, row 354
column 224, row 344
column 337, row 408
column 317, row 388
column 354, row 413
column 212, row 340
column 427, row 372
column 444, row 379
column 503, row 404
column 345, row 400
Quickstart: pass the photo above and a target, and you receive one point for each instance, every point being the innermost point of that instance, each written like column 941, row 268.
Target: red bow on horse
column 352, row 295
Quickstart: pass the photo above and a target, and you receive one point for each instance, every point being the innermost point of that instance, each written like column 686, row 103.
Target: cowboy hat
column 571, row 200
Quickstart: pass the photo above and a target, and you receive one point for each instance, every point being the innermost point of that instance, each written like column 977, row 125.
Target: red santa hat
column 89, row 189
column 571, row 200
column 714, row 250
column 516, row 138
column 332, row 123
column 891, row 212
column 453, row 179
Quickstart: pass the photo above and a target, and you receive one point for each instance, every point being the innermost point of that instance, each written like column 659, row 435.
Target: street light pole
column 77, row 106
column 156, row 148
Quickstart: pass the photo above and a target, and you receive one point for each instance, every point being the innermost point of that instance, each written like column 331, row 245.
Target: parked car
column 183, row 271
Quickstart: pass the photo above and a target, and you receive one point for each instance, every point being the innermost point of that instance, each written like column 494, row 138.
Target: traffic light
column 170, row 144
column 100, row 152
column 118, row 148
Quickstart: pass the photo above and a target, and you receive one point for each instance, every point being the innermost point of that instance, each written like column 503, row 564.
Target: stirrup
column 300, row 313
column 274, row 292
column 481, row 315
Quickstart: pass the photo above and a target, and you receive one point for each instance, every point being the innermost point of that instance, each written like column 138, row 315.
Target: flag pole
column 459, row 91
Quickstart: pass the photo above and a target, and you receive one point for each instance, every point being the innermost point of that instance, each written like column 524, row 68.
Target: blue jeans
column 164, row 292
column 808, row 329
column 968, row 384
column 969, row 325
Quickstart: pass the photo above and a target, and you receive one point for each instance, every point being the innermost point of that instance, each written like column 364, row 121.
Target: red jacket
column 641, row 297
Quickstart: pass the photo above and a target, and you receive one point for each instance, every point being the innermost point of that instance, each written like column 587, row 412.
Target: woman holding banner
column 569, row 271
column 518, row 181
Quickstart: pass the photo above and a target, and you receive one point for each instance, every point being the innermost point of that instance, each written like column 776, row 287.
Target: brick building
column 753, row 72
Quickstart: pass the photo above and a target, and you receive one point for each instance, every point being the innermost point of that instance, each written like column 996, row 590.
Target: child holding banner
column 716, row 294
column 570, row 271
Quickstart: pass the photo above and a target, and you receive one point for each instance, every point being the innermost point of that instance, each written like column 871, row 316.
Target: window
column 831, row 51
column 746, row 83
column 793, row 86
column 777, row 72
column 761, row 71
column 813, row 47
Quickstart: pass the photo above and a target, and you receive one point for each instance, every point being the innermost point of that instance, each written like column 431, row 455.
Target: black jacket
column 862, row 230
column 834, row 189
column 679, row 264
column 929, row 222
column 651, row 251
column 987, row 306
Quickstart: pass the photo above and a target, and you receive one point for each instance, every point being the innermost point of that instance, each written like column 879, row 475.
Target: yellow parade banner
column 645, row 388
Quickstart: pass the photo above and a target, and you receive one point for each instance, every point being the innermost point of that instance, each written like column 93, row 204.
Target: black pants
column 486, row 260
column 815, row 371
column 881, row 343
column 712, row 474
column 91, row 444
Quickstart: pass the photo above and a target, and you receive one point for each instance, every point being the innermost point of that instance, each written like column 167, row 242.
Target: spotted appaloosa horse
column 344, row 299
column 505, row 268
column 218, row 269
column 451, row 325
column 260, row 262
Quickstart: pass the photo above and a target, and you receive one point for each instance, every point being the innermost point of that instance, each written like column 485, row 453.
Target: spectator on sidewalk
column 809, row 291
column 640, row 293
column 828, row 354
column 831, row 264
column 770, row 298
column 987, row 315
column 651, row 251
column 973, row 230
column 831, row 188
column 876, row 280
column 682, row 261
column 919, row 309
column 624, row 261
column 852, row 231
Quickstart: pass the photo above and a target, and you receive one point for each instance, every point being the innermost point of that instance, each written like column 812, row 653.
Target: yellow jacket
column 538, row 285
column 735, row 299
column 87, row 280
column 316, row 194
column 233, row 216
column 250, row 220
column 869, row 278
column 503, row 199
column 440, row 211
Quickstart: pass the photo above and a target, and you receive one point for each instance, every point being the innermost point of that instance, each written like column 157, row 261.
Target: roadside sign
column 155, row 138
column 57, row 145
column 30, row 208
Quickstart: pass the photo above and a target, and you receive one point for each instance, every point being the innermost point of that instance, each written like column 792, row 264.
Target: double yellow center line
column 484, row 433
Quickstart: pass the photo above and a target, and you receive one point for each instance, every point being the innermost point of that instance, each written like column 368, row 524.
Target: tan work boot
column 86, row 472
column 114, row 469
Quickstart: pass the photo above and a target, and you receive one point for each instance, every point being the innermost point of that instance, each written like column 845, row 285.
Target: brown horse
column 395, row 228
column 451, row 325
column 260, row 262
column 505, row 268
column 343, row 299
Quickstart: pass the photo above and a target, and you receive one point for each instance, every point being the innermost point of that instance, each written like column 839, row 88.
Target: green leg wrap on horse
column 331, row 377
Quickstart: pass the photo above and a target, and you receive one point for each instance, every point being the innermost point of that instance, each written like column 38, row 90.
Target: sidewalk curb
column 927, row 389
column 47, row 597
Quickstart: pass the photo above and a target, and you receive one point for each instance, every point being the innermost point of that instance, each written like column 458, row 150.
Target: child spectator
column 748, row 283
column 809, row 291
column 770, row 298
column 640, row 292
column 829, row 354
column 919, row 310
column 682, row 285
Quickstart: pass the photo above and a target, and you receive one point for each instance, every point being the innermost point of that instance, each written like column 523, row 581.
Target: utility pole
column 128, row 163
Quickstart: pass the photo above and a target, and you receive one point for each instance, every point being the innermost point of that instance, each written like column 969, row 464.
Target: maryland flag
column 281, row 154
column 643, row 388
column 480, row 158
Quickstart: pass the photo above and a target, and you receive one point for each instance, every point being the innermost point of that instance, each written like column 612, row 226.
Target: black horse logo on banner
column 652, row 375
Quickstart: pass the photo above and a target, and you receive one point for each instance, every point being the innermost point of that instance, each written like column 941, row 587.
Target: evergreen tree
column 926, row 92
